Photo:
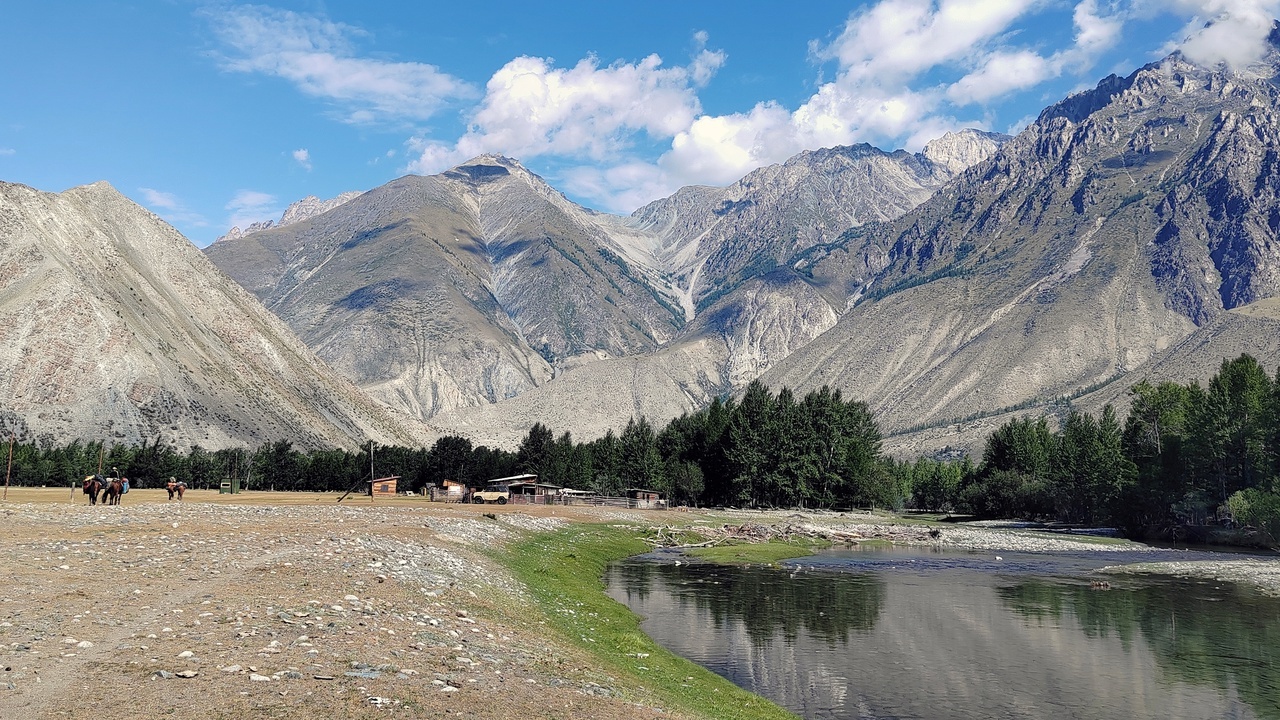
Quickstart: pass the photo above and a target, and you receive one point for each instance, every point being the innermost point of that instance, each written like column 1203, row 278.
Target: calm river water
column 919, row 633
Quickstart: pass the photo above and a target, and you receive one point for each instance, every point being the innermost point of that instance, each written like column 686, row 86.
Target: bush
column 1258, row 508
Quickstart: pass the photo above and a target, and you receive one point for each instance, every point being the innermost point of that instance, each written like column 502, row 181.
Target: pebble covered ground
column 202, row 610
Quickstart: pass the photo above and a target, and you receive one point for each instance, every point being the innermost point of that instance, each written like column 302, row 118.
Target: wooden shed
column 384, row 487
column 645, row 498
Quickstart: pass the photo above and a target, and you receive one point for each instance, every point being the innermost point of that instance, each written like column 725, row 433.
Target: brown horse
column 115, row 488
column 92, row 486
column 175, row 488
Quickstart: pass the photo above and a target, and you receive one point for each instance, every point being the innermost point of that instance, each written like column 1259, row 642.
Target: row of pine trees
column 1185, row 454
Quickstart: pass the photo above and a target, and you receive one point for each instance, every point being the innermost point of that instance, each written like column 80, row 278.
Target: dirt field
column 274, row 605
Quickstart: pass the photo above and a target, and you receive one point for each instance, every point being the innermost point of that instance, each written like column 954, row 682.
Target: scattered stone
column 259, row 678
column 188, row 674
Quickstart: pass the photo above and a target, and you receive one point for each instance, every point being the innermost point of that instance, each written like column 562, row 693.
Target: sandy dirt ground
column 266, row 605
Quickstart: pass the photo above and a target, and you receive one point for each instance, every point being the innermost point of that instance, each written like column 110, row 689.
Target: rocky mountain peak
column 961, row 150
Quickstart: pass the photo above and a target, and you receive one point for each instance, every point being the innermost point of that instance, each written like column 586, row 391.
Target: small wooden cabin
column 384, row 487
column 643, row 498
column 533, row 492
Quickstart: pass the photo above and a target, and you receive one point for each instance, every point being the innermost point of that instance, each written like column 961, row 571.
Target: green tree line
column 1185, row 454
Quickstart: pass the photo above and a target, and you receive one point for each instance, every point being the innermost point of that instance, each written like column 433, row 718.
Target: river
column 925, row 633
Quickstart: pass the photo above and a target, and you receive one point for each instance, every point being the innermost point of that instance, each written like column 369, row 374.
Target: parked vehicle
column 481, row 497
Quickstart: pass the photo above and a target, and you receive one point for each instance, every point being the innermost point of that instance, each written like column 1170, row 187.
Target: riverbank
column 1263, row 574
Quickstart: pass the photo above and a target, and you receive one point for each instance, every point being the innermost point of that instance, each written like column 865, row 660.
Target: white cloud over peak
column 533, row 108
column 1227, row 32
column 250, row 206
column 317, row 56
column 159, row 199
column 168, row 206
column 901, row 72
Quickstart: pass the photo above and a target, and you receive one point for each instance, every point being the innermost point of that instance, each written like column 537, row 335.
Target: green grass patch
column 564, row 571
column 766, row 553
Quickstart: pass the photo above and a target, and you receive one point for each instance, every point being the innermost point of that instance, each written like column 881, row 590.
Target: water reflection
column 902, row 636
column 1219, row 636
column 756, row 597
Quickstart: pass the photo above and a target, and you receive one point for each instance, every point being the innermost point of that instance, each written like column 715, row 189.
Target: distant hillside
column 116, row 328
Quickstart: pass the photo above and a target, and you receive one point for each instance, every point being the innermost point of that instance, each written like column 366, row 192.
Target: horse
column 92, row 486
column 175, row 487
column 115, row 488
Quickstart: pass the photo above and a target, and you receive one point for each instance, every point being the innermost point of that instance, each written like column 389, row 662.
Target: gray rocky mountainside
column 307, row 207
column 1118, row 237
column 710, row 240
column 449, row 293
column 463, row 288
column 116, row 328
column 1107, row 232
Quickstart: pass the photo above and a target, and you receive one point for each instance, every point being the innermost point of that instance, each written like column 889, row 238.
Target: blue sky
column 214, row 114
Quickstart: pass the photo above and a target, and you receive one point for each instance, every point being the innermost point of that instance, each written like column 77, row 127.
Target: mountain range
column 1129, row 232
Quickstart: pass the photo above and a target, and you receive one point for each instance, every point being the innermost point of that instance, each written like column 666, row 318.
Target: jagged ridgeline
column 1124, row 221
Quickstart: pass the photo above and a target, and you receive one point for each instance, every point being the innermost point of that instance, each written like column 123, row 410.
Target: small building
column 532, row 491
column 645, row 499
column 384, row 487
column 448, row 491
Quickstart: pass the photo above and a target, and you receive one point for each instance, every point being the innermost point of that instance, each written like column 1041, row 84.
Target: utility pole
column 8, row 470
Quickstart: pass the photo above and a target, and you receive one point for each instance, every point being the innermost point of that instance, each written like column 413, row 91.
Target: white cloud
column 316, row 55
column 1236, row 31
column 899, row 39
column 533, row 108
column 159, row 199
column 303, row 157
column 1002, row 73
column 1096, row 32
column 250, row 206
column 168, row 206
column 7, row 151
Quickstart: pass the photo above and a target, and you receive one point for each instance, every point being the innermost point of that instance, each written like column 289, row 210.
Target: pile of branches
column 675, row 537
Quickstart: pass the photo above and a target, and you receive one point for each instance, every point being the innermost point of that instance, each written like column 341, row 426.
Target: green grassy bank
column 564, row 571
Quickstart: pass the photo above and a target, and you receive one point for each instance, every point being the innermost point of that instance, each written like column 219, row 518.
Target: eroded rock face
column 459, row 289
column 1100, row 236
column 116, row 328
